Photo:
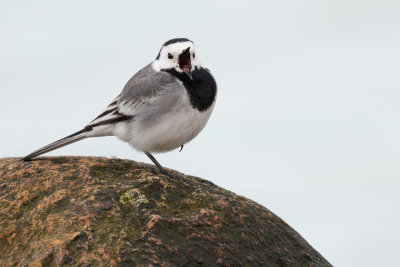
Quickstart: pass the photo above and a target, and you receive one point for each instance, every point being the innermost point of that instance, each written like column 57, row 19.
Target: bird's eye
column 170, row 56
column 194, row 55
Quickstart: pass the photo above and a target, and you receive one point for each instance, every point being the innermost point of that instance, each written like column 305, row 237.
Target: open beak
column 185, row 63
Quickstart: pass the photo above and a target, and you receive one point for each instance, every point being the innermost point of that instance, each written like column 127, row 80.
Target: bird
column 162, row 107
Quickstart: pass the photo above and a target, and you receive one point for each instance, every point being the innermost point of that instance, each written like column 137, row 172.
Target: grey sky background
column 307, row 115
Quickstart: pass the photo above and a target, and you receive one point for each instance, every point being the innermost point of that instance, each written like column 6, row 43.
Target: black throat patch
column 202, row 89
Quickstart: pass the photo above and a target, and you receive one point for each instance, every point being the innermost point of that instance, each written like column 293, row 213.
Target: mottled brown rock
column 84, row 211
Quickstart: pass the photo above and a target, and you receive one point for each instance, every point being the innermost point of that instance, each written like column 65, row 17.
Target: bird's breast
column 173, row 129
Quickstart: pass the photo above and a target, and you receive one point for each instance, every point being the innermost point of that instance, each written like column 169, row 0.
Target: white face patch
column 169, row 56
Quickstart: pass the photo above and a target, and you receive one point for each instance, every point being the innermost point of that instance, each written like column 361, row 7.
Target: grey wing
column 147, row 88
column 143, row 89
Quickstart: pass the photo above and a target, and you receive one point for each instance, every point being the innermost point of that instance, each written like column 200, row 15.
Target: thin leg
column 153, row 159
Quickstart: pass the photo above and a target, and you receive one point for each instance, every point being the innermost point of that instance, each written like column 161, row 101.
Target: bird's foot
column 160, row 168
column 167, row 173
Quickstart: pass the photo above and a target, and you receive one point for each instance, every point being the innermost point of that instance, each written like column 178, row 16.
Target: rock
column 110, row 212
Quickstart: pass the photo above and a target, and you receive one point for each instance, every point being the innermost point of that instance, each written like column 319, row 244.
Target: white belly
column 169, row 131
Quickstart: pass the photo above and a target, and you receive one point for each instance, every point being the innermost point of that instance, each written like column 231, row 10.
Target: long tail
column 102, row 125
column 57, row 144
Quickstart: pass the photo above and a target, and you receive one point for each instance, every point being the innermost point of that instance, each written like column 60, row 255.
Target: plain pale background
column 307, row 118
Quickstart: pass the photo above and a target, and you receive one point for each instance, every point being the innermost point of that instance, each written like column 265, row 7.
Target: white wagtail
column 162, row 107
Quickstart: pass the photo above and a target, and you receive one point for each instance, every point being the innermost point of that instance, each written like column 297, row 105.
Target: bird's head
column 178, row 54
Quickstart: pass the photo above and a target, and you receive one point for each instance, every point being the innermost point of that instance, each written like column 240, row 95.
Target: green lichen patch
column 133, row 197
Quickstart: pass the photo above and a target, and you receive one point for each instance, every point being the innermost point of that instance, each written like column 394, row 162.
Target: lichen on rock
column 133, row 197
column 81, row 211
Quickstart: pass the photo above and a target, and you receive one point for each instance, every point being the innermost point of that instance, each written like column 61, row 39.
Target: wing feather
column 142, row 90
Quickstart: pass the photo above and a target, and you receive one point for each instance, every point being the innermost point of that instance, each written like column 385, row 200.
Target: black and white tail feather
column 57, row 144
column 108, row 117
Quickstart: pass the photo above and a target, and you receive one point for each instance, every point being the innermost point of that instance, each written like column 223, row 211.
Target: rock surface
column 84, row 211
